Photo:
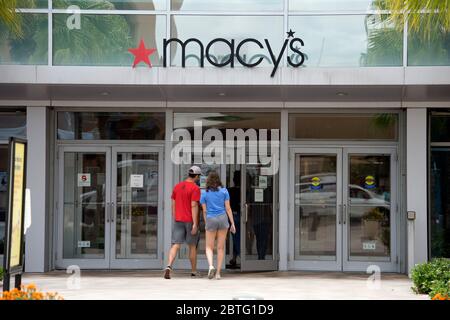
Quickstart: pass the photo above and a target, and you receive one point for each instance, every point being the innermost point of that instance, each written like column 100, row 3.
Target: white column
column 283, row 233
column 35, row 247
column 416, row 182
column 168, row 184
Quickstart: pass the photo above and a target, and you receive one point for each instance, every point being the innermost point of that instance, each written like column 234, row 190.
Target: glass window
column 381, row 126
column 227, row 120
column 332, row 5
column 13, row 125
column 227, row 5
column 84, row 206
column 104, row 40
column 440, row 128
column 429, row 51
column 440, row 202
column 348, row 40
column 27, row 4
column 227, row 27
column 112, row 4
column 110, row 126
column 32, row 48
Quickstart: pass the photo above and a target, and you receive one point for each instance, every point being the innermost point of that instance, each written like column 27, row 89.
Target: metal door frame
column 361, row 265
column 137, row 262
column 342, row 263
column 82, row 263
column 320, row 263
column 259, row 265
column 110, row 193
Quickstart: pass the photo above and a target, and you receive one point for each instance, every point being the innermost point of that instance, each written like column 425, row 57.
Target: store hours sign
column 233, row 52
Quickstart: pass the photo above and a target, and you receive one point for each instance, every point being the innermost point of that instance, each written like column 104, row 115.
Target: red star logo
column 141, row 54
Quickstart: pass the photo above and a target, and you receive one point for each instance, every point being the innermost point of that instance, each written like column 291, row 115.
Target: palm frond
column 10, row 18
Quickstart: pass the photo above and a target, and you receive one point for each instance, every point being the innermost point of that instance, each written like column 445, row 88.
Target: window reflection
column 332, row 5
column 32, row 48
column 110, row 126
column 104, row 40
column 381, row 126
column 227, row 27
column 227, row 5
column 348, row 40
column 112, row 4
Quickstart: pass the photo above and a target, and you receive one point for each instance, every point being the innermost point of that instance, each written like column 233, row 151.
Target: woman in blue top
column 215, row 202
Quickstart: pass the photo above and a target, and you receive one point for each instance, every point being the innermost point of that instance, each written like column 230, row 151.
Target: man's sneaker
column 211, row 272
column 167, row 272
column 196, row 274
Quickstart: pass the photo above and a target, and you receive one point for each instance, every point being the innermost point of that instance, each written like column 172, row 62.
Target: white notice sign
column 84, row 179
column 263, row 182
column 137, row 181
column 84, row 244
column 259, row 195
column 369, row 245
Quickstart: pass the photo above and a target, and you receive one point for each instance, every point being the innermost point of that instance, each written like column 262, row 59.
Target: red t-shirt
column 183, row 194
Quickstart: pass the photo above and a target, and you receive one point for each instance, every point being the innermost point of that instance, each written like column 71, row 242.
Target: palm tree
column 9, row 16
column 419, row 23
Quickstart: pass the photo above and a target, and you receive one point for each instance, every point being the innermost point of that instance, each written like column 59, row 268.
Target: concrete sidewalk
column 123, row 285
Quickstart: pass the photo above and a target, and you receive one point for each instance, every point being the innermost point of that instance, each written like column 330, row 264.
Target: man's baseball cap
column 195, row 170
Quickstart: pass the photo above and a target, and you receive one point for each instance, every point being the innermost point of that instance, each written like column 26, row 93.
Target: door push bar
column 110, row 212
column 342, row 214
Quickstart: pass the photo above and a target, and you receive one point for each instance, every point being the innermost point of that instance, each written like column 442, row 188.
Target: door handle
column 340, row 213
column 246, row 212
column 345, row 214
column 108, row 212
column 112, row 211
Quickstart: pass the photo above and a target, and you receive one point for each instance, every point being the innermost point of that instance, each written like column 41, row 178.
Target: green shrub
column 427, row 277
column 441, row 288
column 1, row 274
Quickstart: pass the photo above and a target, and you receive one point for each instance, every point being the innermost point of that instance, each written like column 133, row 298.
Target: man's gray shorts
column 181, row 233
column 217, row 222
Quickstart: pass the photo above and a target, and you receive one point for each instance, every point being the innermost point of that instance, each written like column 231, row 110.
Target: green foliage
column 440, row 287
column 101, row 39
column 30, row 47
column 431, row 276
column 1, row 274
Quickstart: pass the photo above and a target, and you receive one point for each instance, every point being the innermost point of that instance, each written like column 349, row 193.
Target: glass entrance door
column 344, row 202
column 259, row 240
column 369, row 209
column 109, row 207
column 137, row 192
column 181, row 174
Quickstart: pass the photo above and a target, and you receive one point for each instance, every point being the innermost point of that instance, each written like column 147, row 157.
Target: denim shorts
column 215, row 223
column 181, row 232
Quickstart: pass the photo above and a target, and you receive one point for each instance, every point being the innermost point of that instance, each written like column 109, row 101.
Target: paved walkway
column 265, row 285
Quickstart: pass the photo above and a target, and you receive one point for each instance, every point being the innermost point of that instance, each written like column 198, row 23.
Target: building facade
column 357, row 107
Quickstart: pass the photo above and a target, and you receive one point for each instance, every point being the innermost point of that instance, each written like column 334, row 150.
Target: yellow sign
column 315, row 183
column 369, row 182
column 17, row 204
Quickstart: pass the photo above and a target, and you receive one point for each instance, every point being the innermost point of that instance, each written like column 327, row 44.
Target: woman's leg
column 210, row 237
column 221, row 238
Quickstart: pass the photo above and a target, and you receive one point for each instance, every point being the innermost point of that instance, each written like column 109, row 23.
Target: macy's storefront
column 349, row 128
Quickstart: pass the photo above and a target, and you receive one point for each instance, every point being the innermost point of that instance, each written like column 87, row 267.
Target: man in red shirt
column 185, row 198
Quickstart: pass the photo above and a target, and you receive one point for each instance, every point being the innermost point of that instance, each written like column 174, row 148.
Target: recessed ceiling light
column 104, row 93
column 222, row 94
column 342, row 94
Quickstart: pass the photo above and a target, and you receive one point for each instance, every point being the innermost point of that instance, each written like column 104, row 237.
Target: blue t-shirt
column 215, row 201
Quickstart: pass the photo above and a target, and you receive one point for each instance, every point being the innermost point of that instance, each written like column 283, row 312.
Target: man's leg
column 193, row 257
column 173, row 253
